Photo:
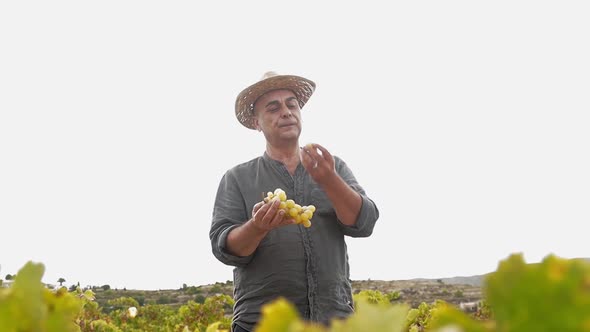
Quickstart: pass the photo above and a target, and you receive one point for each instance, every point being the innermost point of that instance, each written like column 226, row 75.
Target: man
column 273, row 256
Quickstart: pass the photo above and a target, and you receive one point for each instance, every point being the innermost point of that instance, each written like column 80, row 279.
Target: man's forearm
column 243, row 240
column 345, row 200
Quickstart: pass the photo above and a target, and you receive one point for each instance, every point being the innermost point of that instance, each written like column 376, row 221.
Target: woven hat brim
column 301, row 87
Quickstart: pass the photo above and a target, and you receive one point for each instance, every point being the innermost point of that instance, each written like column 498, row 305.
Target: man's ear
column 256, row 125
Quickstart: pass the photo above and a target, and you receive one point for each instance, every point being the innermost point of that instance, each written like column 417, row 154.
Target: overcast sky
column 467, row 122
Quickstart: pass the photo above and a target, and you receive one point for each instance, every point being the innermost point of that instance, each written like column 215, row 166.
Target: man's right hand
column 243, row 240
column 268, row 216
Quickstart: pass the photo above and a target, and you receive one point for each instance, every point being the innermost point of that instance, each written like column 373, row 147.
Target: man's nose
column 286, row 112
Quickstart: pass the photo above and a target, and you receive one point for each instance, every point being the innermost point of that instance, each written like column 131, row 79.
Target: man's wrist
column 257, row 230
column 333, row 182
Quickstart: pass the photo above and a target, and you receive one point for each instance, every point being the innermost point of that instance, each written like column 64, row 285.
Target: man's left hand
column 318, row 162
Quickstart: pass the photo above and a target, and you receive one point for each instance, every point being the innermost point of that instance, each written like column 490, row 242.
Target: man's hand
column 268, row 216
column 320, row 165
column 318, row 162
column 243, row 240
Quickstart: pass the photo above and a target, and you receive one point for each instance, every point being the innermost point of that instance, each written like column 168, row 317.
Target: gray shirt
column 307, row 266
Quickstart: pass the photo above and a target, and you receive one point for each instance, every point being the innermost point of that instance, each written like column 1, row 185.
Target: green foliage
column 194, row 290
column 394, row 296
column 553, row 295
column 375, row 297
column 28, row 306
column 371, row 296
column 449, row 318
column 199, row 316
column 140, row 299
column 123, row 303
column 420, row 319
column 382, row 317
column 484, row 312
column 163, row 299
column 282, row 316
column 216, row 288
column 102, row 326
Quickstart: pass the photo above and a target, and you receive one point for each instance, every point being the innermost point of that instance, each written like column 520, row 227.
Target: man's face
column 278, row 115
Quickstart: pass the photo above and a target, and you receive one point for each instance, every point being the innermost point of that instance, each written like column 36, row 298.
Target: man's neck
column 288, row 154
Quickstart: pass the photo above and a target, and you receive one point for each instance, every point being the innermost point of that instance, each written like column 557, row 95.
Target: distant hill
column 474, row 280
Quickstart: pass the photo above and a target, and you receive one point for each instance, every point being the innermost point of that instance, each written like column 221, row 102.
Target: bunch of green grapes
column 301, row 214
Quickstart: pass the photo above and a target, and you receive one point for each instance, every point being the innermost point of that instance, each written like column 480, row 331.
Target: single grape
column 304, row 216
column 293, row 212
column 308, row 214
column 282, row 196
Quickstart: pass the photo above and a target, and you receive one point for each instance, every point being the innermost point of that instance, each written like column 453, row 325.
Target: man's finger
column 311, row 149
column 326, row 155
column 257, row 207
column 306, row 158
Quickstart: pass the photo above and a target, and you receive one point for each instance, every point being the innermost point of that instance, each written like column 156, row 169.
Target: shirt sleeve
column 229, row 212
column 369, row 212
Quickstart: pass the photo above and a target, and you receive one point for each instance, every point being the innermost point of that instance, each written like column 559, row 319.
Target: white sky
column 467, row 122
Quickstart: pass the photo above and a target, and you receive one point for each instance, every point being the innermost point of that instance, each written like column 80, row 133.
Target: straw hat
column 301, row 87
